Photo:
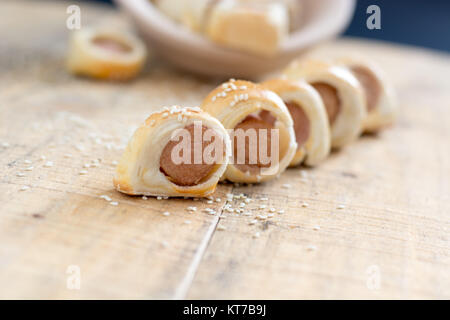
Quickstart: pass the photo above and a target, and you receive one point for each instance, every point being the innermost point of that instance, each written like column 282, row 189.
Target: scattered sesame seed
column 114, row 163
column 187, row 221
column 218, row 199
column 27, row 161
column 67, row 155
column 20, row 174
column 311, row 248
column 286, row 186
column 209, row 201
column 164, row 244
column 221, row 228
column 191, row 208
column 42, row 157
column 252, row 222
column 263, row 206
column 24, row 188
column 272, row 210
column 281, row 211
column 341, row 206
column 257, row 235
column 264, row 199
column 316, row 228
column 158, row 198
column 114, row 203
column 5, row 144
column 144, row 197
column 305, row 205
column 166, row 213
column 48, row 164
column 86, row 165
column 82, row 172
column 104, row 196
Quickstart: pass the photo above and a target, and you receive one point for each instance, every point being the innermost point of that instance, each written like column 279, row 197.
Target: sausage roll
column 260, row 126
column 379, row 95
column 341, row 93
column 176, row 152
column 105, row 54
column 311, row 128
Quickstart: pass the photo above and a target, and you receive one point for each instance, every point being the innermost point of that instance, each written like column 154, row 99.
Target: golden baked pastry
column 270, row 143
column 105, row 54
column 341, row 93
column 379, row 94
column 311, row 126
column 175, row 152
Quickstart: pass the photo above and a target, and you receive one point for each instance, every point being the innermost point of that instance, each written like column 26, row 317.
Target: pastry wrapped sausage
column 105, row 54
column 307, row 110
column 176, row 152
column 379, row 95
column 341, row 93
column 260, row 127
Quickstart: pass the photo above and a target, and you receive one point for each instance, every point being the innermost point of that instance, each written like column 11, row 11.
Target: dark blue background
column 418, row 22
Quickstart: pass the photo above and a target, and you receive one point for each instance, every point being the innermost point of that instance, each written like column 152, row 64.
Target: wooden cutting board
column 390, row 239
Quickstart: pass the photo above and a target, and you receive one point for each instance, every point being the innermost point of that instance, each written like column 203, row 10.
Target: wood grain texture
column 394, row 187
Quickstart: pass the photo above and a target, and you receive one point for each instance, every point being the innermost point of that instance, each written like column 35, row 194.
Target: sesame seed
column 286, row 186
column 341, row 206
column 187, row 221
column 218, row 199
column 20, row 174
column 191, row 208
column 311, row 248
column 164, row 244
column 82, row 172
column 263, row 206
column 257, row 235
column 27, row 161
column 252, row 222
column 42, row 157
column 166, row 213
column 48, row 164
column 24, row 188
column 264, row 199
column 281, row 211
column 305, row 205
column 5, row 144
column 316, row 228
column 158, row 198
column 272, row 210
column 114, row 203
column 221, row 228
column 104, row 196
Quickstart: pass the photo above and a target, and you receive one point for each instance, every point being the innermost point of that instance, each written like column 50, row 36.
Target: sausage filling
column 330, row 99
column 188, row 174
column 301, row 123
column 263, row 120
column 111, row 45
column 370, row 84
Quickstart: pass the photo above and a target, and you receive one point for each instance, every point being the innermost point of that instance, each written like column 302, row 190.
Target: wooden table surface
column 391, row 239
